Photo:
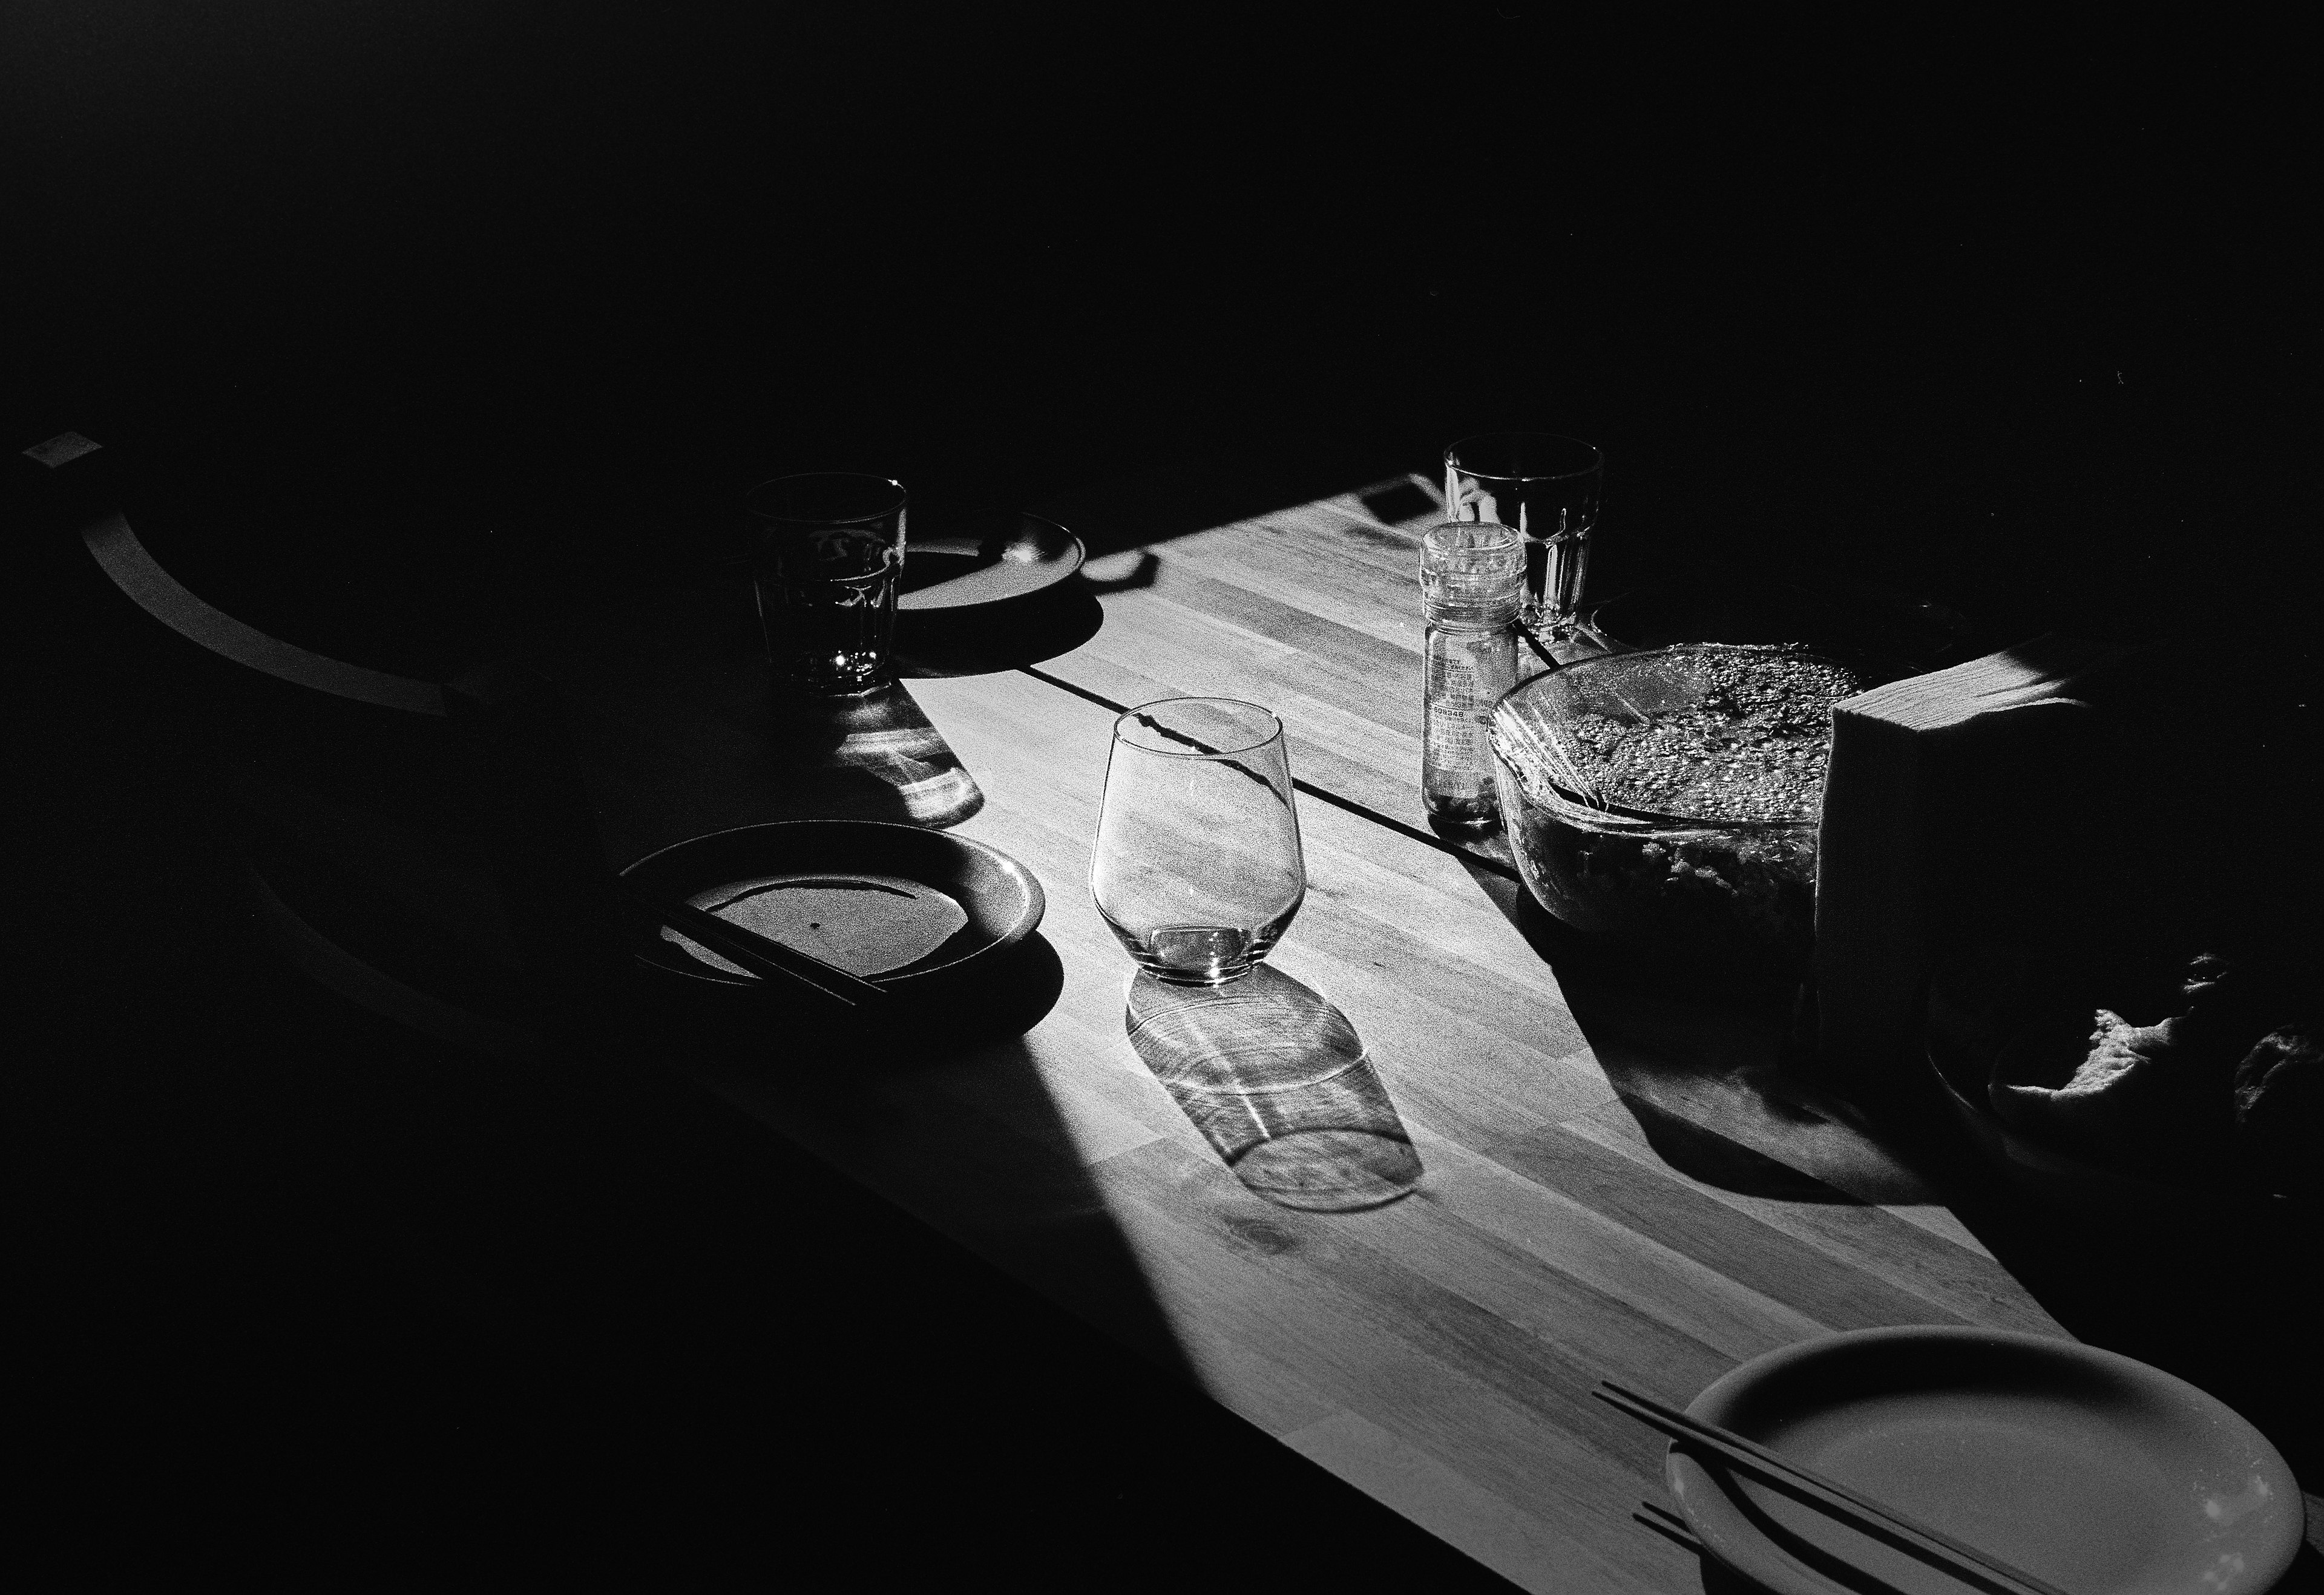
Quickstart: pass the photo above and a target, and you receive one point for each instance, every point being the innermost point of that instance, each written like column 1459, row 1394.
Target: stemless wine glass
column 1197, row 868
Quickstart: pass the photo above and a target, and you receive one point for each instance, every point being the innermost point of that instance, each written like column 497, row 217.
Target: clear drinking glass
column 1548, row 488
column 828, row 550
column 1197, row 866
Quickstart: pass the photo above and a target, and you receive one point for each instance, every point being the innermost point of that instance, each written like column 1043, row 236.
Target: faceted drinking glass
column 1197, row 866
column 828, row 547
column 1548, row 488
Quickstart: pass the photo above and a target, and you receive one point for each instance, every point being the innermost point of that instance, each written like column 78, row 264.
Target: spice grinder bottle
column 1471, row 583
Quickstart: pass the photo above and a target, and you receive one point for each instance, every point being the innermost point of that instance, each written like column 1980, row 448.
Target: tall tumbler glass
column 1197, row 866
column 1548, row 488
column 828, row 547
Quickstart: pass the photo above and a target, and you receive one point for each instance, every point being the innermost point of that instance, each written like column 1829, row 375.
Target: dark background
column 371, row 299
column 1977, row 310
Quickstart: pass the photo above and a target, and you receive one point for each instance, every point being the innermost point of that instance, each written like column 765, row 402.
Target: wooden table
column 1619, row 1181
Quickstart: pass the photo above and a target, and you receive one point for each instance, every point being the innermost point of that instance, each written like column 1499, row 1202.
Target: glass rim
column 1196, row 749
column 1597, row 458
column 750, row 501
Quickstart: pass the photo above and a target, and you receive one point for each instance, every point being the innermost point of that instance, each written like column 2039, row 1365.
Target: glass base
column 1467, row 814
column 1198, row 955
column 831, row 678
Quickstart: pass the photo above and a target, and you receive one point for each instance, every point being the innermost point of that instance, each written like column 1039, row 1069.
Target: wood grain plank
column 1655, row 1282
column 1963, row 1282
column 1349, row 693
column 1340, row 1283
column 1401, row 1353
column 1733, row 1243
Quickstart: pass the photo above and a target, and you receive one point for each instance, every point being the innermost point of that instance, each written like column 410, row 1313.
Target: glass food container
column 1671, row 797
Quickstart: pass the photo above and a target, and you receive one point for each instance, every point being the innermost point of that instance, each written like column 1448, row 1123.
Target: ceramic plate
column 900, row 906
column 987, row 561
column 2085, row 1468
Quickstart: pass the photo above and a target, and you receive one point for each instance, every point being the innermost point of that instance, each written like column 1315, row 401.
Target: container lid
column 1706, row 732
column 1472, row 570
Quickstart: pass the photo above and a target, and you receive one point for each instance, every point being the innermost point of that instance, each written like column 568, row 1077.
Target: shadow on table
column 1687, row 1049
column 1389, row 481
column 2220, row 1295
column 978, row 639
column 999, row 998
column 2221, row 1300
column 945, row 1113
column 1277, row 1081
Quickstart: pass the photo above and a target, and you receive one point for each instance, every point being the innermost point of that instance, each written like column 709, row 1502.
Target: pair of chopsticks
column 1885, row 1523
column 1668, row 1523
column 763, row 956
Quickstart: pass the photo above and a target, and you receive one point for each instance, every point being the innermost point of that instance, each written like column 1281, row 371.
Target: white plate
column 2082, row 1467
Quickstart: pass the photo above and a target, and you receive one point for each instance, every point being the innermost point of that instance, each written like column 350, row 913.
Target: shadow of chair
column 383, row 851
column 428, row 850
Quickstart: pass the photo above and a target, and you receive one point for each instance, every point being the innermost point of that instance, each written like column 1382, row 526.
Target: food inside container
column 1672, row 796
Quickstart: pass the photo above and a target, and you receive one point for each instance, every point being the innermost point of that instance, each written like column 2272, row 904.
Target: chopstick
column 1885, row 1523
column 763, row 956
column 1668, row 1523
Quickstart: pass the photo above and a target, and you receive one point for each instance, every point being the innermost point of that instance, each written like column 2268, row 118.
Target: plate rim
column 1069, row 560
column 1023, row 926
column 1731, row 1541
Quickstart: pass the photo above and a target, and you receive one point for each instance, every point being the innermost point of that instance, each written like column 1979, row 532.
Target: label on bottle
column 1456, row 738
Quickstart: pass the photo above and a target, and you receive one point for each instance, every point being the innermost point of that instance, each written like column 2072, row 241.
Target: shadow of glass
column 1277, row 1081
column 876, row 744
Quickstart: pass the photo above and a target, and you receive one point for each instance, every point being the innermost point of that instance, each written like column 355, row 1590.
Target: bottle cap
column 1473, row 571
